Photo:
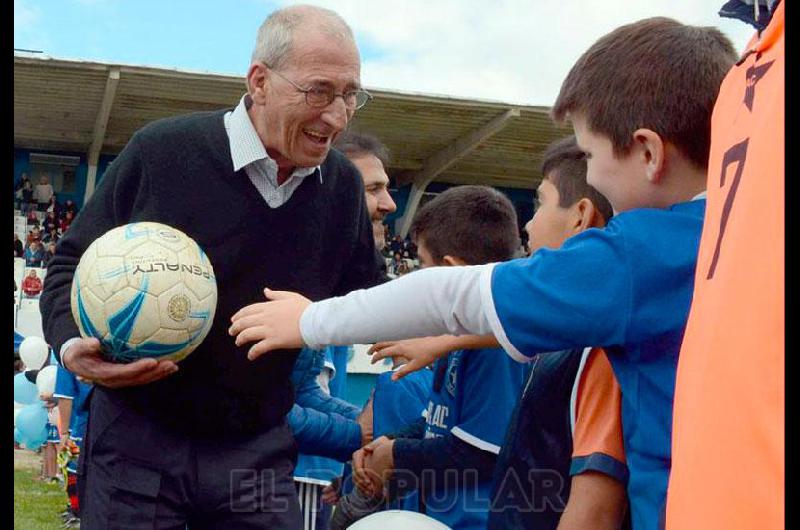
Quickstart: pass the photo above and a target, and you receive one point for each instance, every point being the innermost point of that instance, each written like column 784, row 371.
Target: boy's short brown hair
column 657, row 74
column 564, row 164
column 475, row 223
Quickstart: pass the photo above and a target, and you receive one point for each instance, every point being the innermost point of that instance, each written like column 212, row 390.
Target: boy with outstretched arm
column 626, row 288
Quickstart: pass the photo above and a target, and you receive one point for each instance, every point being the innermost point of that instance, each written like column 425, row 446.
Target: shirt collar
column 246, row 146
column 701, row 195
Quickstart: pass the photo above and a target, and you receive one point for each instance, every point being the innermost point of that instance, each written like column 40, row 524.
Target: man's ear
column 450, row 261
column 651, row 150
column 256, row 80
column 586, row 216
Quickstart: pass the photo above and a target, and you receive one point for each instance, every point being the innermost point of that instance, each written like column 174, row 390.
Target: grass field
column 36, row 504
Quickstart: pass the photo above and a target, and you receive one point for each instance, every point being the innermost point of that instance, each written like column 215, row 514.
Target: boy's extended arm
column 451, row 305
column 439, row 456
column 596, row 502
column 64, row 413
column 422, row 352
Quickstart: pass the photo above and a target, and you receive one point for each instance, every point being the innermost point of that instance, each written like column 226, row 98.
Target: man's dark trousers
column 134, row 473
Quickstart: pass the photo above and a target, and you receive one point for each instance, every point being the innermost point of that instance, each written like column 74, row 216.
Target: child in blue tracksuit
column 72, row 394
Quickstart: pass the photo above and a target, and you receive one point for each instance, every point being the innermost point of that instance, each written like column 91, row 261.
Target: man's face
column 298, row 135
column 550, row 224
column 622, row 179
column 376, row 190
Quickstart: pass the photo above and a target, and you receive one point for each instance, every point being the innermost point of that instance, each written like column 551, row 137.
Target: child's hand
column 418, row 353
column 380, row 463
column 271, row 325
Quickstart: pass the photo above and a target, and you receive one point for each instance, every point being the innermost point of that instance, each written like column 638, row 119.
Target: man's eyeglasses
column 322, row 97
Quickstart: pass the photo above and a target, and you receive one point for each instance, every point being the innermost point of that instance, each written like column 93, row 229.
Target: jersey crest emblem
column 451, row 379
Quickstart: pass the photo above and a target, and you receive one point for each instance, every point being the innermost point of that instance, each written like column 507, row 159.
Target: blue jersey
column 627, row 288
column 395, row 404
column 473, row 398
column 68, row 386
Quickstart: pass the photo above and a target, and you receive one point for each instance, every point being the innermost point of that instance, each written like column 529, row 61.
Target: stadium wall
column 78, row 189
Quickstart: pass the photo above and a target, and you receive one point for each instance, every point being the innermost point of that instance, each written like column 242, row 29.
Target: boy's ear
column 650, row 148
column 450, row 261
column 587, row 216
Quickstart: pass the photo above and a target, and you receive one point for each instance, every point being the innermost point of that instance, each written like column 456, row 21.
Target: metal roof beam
column 451, row 154
column 440, row 161
column 99, row 132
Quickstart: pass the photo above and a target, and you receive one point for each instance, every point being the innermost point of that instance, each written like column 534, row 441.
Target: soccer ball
column 398, row 520
column 144, row 290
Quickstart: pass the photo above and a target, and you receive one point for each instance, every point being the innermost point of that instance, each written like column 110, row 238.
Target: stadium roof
column 94, row 108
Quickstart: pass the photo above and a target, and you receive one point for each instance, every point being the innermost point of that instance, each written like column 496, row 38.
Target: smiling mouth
column 317, row 138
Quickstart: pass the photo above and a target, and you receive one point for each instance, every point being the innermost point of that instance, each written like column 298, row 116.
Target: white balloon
column 34, row 352
column 46, row 380
column 397, row 520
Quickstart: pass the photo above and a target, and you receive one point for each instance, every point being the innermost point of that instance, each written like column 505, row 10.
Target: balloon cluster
column 30, row 412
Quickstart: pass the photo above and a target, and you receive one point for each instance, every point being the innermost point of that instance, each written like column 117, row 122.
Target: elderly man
column 207, row 445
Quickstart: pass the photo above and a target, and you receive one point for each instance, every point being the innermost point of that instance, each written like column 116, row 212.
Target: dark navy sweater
column 178, row 171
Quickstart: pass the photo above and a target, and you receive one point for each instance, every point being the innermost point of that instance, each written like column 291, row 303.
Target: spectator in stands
column 403, row 268
column 43, row 192
column 48, row 255
column 394, row 265
column 66, row 221
column 387, row 236
column 32, row 285
column 54, row 207
column 50, row 222
column 26, row 193
column 396, row 245
column 69, row 206
column 34, row 235
column 34, row 254
column 51, row 237
column 31, row 219
column 18, row 250
column 410, row 247
column 18, row 190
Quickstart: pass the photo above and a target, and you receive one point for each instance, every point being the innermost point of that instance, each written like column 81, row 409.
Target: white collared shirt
column 249, row 153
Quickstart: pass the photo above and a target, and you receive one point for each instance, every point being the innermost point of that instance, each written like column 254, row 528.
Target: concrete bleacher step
column 28, row 318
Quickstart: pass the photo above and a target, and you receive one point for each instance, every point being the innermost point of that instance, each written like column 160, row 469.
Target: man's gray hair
column 274, row 40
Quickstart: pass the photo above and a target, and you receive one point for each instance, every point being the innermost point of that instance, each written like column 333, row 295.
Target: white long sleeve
column 429, row 302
